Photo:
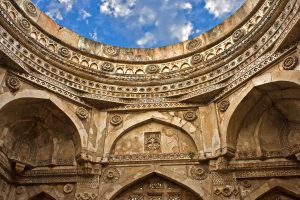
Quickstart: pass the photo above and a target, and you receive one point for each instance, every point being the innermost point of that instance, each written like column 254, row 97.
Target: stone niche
column 36, row 133
column 269, row 126
column 154, row 138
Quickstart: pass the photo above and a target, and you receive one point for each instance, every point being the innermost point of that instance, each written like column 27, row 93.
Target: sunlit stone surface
column 215, row 117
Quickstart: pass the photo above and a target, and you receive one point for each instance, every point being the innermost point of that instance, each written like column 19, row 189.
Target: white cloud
column 84, row 14
column 55, row 14
column 94, row 35
column 153, row 22
column 117, row 8
column 181, row 32
column 147, row 16
column 57, row 8
column 186, row 5
column 68, row 4
column 147, row 39
column 220, row 8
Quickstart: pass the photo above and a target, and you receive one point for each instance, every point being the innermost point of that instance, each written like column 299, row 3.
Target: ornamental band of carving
column 217, row 114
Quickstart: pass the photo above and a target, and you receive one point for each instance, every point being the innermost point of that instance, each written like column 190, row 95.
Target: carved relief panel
column 154, row 138
column 152, row 142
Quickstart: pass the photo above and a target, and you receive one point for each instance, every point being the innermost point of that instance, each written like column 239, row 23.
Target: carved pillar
column 212, row 140
column 88, row 178
column 2, row 75
column 224, row 183
column 6, row 190
column 224, row 186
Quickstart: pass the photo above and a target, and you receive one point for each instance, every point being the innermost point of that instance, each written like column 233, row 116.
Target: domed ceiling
column 195, row 71
column 139, row 23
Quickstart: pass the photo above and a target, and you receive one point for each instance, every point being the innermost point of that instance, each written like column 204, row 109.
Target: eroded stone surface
column 215, row 117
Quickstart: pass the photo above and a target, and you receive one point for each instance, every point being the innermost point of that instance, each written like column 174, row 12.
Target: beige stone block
column 48, row 24
column 2, row 75
column 263, row 79
column 209, row 129
column 86, row 45
column 68, row 37
column 177, row 121
column 98, row 124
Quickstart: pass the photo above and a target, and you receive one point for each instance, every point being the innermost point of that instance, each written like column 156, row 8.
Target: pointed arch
column 42, row 195
column 45, row 190
column 168, row 175
column 130, row 124
column 273, row 184
column 81, row 137
column 236, row 111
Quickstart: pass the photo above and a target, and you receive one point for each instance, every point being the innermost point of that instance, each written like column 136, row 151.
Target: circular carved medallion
column 217, row 191
column 64, row 52
column 223, row 105
column 13, row 83
column 193, row 44
column 152, row 69
column 198, row 173
column 238, row 34
column 68, row 188
column 25, row 24
column 116, row 120
column 20, row 189
column 82, row 113
column 111, row 175
column 107, row 67
column 85, row 196
column 110, row 51
column 30, row 8
column 246, row 184
column 226, row 191
column 197, row 58
column 190, row 116
column 290, row 63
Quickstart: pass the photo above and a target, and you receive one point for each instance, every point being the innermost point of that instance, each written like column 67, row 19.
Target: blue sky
column 139, row 23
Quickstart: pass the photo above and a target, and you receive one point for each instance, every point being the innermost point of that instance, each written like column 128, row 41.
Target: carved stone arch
column 42, row 196
column 185, row 126
column 274, row 185
column 239, row 107
column 45, row 191
column 80, row 138
column 168, row 175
